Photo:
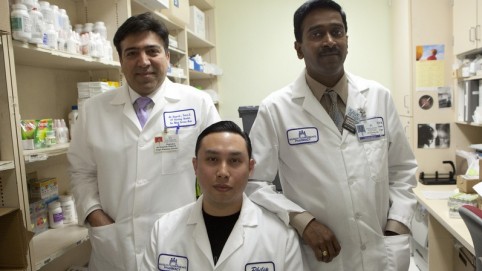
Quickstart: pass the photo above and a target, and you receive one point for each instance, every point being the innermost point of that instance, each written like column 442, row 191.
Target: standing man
column 223, row 230
column 131, row 151
column 345, row 166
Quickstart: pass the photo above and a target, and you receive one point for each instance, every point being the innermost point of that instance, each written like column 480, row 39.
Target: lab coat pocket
column 105, row 247
column 398, row 251
column 170, row 163
column 377, row 158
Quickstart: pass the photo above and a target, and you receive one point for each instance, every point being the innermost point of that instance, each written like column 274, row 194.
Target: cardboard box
column 4, row 17
column 43, row 189
column 466, row 185
column 14, row 239
column 197, row 22
column 154, row 4
column 178, row 11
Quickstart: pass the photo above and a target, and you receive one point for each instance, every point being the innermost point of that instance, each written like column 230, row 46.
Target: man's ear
column 252, row 163
column 297, row 46
column 194, row 164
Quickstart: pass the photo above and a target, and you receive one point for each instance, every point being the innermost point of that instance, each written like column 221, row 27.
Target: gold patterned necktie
column 334, row 112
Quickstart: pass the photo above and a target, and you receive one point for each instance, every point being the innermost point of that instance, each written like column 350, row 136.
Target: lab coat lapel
column 123, row 98
column 310, row 104
column 356, row 94
column 247, row 219
column 356, row 99
column 200, row 234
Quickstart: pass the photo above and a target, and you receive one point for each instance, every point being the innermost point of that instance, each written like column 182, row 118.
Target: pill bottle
column 46, row 12
column 20, row 21
column 99, row 27
column 56, row 217
column 50, row 139
column 73, row 115
column 38, row 26
column 68, row 208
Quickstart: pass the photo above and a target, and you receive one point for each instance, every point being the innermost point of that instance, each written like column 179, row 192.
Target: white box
column 197, row 22
column 154, row 4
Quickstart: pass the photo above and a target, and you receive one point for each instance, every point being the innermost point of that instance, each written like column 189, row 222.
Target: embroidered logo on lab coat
column 262, row 266
column 302, row 135
column 167, row 262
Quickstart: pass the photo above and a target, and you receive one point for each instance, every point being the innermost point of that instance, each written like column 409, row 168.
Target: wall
column 254, row 41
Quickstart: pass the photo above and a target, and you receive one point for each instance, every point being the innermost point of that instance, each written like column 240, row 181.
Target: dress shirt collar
column 318, row 89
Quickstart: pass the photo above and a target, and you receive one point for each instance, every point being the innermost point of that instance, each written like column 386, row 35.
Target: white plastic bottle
column 68, row 208
column 20, row 21
column 73, row 115
column 99, row 27
column 38, row 26
column 46, row 12
column 52, row 37
column 56, row 217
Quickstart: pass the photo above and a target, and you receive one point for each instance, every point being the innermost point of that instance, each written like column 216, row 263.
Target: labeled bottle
column 21, row 24
column 73, row 115
column 68, row 208
column 56, row 217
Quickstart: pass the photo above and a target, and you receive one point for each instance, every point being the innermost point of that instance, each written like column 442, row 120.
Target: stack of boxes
column 41, row 192
column 88, row 90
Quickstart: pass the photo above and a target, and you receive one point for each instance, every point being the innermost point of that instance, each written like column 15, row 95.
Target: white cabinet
column 467, row 20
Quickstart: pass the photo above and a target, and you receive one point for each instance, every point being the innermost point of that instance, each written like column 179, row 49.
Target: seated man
column 223, row 230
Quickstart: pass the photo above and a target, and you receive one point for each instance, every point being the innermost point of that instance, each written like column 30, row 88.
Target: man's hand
column 322, row 240
column 98, row 218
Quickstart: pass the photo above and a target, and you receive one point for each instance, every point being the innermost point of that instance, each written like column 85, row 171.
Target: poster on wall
column 433, row 136
column 444, row 97
column 429, row 67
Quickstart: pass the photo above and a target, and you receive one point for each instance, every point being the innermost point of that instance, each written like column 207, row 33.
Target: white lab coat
column 351, row 187
column 258, row 239
column 114, row 166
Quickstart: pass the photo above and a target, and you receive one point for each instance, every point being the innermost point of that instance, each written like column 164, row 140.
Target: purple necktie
column 141, row 110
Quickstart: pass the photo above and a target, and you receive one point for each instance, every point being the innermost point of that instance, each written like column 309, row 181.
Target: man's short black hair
column 308, row 7
column 224, row 126
column 138, row 24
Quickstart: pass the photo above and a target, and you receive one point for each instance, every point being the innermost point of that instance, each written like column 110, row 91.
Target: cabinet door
column 464, row 25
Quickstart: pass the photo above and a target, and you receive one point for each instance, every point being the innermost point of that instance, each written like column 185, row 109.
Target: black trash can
column 248, row 114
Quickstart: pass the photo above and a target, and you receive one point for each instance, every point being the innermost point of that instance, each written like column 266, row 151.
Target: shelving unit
column 42, row 83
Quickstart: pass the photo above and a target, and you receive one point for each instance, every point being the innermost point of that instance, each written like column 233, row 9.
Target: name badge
column 167, row 262
column 180, row 118
column 370, row 129
column 262, row 266
column 166, row 142
column 302, row 135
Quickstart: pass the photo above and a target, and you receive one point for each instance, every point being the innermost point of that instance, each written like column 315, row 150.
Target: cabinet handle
column 405, row 101
column 471, row 36
column 477, row 32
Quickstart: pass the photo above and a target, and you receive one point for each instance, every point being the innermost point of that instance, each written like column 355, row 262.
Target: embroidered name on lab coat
column 167, row 262
column 302, row 135
column 180, row 118
column 262, row 266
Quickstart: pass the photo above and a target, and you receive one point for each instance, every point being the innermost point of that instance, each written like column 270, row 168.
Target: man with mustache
column 345, row 166
column 131, row 152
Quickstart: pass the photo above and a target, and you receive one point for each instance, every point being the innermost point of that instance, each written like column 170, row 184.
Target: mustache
column 325, row 50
